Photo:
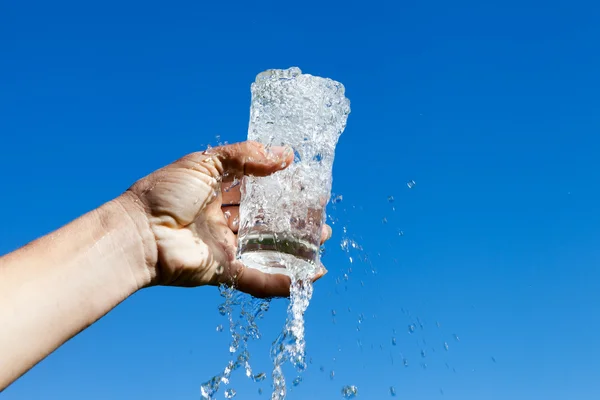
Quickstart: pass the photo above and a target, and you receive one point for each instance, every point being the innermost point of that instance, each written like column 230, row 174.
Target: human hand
column 192, row 211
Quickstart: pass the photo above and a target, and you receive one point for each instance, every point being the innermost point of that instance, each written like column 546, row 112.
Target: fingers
column 232, row 215
column 262, row 285
column 251, row 158
column 231, row 194
column 326, row 233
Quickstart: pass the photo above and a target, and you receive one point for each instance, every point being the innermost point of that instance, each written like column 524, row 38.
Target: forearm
column 58, row 285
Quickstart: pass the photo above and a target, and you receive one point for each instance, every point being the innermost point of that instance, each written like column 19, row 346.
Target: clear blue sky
column 492, row 107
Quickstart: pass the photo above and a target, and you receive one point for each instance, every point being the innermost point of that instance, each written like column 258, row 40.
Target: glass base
column 274, row 262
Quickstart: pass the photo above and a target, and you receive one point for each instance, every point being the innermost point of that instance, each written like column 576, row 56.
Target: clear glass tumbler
column 282, row 215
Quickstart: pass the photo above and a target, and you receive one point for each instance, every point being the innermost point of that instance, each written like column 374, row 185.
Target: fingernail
column 329, row 232
column 281, row 152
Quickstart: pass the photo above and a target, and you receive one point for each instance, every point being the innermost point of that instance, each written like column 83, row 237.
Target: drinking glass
column 282, row 215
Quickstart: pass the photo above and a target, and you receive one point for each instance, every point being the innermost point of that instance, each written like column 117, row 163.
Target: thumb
column 252, row 158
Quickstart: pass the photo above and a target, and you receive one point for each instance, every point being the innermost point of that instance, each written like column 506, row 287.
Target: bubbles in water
column 400, row 233
column 219, row 328
column 392, row 391
column 446, row 346
column 411, row 328
column 332, row 374
column 393, row 341
column 297, row 381
column 390, row 199
column 349, row 392
column 423, row 353
column 411, row 184
column 456, row 337
column 337, row 199
column 230, row 394
column 384, row 220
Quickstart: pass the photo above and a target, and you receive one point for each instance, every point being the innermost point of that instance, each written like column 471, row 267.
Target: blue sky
column 491, row 107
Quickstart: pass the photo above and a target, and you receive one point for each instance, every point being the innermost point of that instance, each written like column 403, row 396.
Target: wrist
column 128, row 215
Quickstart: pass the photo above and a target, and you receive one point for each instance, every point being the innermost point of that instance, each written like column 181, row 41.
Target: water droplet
column 349, row 392
column 222, row 309
column 227, row 214
column 384, row 220
column 230, row 394
column 400, row 233
column 405, row 362
column 390, row 199
column 411, row 184
column 333, row 313
column 456, row 337
column 361, row 318
column 297, row 381
column 393, row 341
column 220, row 269
column 337, row 199
column 219, row 328
column 493, row 359
column 392, row 391
column 235, row 221
column 332, row 374
column 446, row 346
column 351, row 260
column 259, row 390
column 423, row 353
column 411, row 328
column 259, row 377
column 322, row 369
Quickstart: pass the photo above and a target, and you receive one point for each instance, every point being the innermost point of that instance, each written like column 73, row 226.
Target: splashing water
column 288, row 347
column 290, row 344
column 349, row 392
column 242, row 330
